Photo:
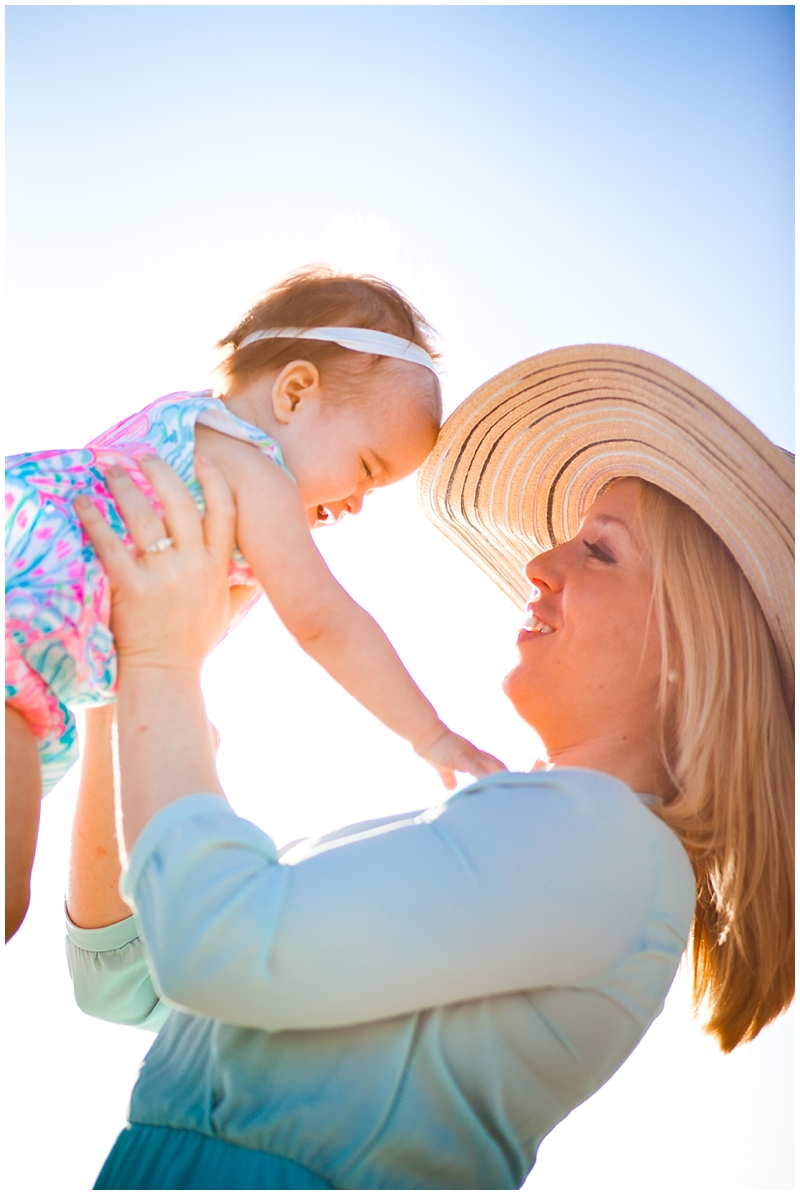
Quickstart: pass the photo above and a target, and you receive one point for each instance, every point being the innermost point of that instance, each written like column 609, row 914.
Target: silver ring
column 160, row 545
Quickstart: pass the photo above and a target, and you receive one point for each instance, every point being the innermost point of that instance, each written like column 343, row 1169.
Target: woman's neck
column 636, row 764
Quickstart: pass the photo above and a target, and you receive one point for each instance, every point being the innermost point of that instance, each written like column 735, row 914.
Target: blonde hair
column 728, row 743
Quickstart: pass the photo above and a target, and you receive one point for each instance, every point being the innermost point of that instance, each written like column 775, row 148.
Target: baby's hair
column 317, row 297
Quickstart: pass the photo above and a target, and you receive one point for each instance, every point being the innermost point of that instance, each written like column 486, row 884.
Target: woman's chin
column 517, row 688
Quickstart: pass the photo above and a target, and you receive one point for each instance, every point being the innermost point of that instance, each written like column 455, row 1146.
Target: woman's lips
column 534, row 628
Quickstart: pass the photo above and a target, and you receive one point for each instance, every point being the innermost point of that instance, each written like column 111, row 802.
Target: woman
column 415, row 1003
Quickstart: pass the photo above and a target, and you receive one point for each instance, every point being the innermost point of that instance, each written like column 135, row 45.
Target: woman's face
column 589, row 655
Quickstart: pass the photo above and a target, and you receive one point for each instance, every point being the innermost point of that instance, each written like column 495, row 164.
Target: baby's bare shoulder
column 220, row 446
column 242, row 463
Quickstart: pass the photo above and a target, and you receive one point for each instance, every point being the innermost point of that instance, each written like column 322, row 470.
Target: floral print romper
column 59, row 648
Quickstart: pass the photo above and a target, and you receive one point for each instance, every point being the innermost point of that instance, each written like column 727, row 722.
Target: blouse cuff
column 107, row 937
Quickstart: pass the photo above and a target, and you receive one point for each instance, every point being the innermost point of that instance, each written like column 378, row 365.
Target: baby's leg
column 23, row 800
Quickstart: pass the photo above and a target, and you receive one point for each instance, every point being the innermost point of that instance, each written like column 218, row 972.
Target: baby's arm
column 272, row 532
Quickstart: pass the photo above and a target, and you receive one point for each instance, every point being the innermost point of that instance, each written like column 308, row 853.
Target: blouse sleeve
column 517, row 882
column 110, row 975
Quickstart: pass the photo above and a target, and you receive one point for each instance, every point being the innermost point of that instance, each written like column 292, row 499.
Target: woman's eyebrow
column 630, row 531
column 612, row 519
column 603, row 519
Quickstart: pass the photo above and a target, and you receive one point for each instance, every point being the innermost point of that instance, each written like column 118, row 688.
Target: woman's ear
column 296, row 383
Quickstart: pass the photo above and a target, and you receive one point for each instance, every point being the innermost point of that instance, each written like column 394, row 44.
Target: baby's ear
column 296, row 383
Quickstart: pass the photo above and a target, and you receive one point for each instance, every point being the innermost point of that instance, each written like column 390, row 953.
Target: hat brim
column 518, row 463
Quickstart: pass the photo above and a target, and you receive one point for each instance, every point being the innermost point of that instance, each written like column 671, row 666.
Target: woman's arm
column 108, row 969
column 520, row 882
column 93, row 898
column 168, row 610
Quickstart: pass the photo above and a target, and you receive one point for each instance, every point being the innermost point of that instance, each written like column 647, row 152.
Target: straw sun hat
column 520, row 461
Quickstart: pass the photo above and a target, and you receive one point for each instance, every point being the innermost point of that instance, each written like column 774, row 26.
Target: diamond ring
column 160, row 545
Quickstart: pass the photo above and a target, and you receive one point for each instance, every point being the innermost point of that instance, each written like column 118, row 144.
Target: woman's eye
column 599, row 553
column 367, row 470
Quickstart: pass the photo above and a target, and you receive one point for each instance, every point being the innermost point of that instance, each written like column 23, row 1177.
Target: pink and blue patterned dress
column 59, row 648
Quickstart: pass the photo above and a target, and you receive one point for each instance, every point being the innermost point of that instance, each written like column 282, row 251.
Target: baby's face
column 341, row 449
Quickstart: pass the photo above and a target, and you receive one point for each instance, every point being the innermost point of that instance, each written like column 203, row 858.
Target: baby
column 330, row 392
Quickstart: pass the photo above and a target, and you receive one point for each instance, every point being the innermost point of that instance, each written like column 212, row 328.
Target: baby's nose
column 354, row 503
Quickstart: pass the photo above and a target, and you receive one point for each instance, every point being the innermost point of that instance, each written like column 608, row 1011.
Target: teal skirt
column 151, row 1158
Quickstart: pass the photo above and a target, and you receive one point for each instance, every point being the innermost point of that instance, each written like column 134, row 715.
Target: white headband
column 361, row 340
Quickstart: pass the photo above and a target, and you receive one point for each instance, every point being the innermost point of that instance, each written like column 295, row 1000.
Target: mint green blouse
column 406, row 1004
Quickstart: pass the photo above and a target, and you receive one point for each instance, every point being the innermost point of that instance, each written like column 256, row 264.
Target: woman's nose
column 354, row 503
column 542, row 570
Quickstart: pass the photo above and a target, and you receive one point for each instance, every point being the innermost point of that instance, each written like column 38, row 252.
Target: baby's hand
column 449, row 753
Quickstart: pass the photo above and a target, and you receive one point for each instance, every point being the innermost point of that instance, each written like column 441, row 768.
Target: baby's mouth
column 536, row 625
column 326, row 517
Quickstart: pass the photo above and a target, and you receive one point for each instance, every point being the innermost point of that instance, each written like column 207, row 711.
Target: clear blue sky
column 532, row 177
column 564, row 174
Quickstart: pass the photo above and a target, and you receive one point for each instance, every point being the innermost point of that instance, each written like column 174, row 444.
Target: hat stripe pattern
column 519, row 462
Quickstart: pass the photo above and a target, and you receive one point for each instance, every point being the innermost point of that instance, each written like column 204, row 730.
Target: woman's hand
column 170, row 608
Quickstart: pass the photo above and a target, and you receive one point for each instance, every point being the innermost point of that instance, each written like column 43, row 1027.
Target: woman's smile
column 534, row 626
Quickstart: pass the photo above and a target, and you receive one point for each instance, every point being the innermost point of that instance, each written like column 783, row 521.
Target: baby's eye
column 599, row 553
column 367, row 470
